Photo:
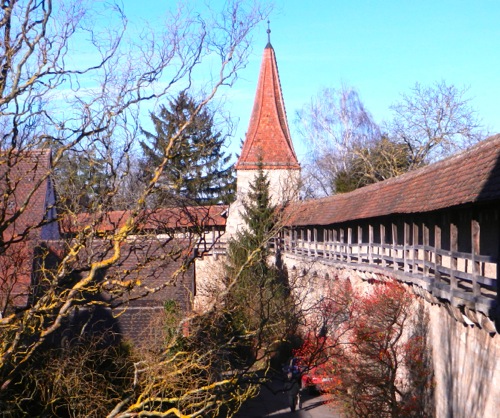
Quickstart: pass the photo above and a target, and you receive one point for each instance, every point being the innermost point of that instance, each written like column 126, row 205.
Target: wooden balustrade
column 414, row 252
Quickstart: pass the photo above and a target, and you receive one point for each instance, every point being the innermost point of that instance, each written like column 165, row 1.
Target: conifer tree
column 259, row 213
column 197, row 171
column 259, row 299
column 82, row 182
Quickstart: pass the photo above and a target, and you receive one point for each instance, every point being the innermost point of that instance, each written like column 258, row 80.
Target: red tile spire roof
column 268, row 136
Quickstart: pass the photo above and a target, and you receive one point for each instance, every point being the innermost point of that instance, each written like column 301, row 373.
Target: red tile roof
column 268, row 136
column 149, row 272
column 24, row 187
column 24, row 178
column 469, row 177
column 16, row 264
column 157, row 220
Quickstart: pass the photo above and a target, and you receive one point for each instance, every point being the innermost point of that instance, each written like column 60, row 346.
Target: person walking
column 292, row 387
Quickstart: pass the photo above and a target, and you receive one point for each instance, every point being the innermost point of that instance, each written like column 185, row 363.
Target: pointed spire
column 268, row 135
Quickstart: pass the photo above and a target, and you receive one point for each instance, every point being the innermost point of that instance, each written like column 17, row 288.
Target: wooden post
column 360, row 242
column 349, row 244
column 214, row 241
column 308, row 242
column 330, row 243
column 406, row 249
column 326, row 243
column 394, row 246
column 315, row 237
column 453, row 260
column 335, row 244
column 382, row 244
column 414, row 251
column 370, row 244
column 342, row 245
column 438, row 258
column 475, row 235
column 425, row 238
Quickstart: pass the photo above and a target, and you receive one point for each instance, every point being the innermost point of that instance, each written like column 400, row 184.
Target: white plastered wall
column 284, row 185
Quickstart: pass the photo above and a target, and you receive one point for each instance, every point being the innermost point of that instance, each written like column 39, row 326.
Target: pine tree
column 258, row 305
column 82, row 182
column 197, row 170
column 259, row 212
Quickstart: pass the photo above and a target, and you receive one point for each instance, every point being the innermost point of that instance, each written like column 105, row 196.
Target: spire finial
column 268, row 33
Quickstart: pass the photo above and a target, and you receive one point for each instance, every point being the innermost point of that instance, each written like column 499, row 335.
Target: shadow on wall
column 469, row 360
column 420, row 368
column 489, row 192
column 491, row 188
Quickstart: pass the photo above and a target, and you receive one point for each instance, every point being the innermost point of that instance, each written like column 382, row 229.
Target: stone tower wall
column 284, row 185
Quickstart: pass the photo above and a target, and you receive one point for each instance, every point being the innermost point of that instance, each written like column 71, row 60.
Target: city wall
column 464, row 355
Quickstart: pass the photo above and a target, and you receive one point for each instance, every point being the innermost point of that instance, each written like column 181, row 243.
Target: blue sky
column 381, row 47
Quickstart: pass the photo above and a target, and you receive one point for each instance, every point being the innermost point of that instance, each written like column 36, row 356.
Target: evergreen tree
column 197, row 170
column 251, row 244
column 82, row 181
column 259, row 299
column 259, row 213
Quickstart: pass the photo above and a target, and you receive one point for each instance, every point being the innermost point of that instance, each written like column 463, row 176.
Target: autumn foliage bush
column 376, row 361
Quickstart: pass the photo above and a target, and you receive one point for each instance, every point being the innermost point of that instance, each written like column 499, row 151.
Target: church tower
column 268, row 140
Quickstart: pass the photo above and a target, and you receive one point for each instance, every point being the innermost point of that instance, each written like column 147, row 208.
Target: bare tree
column 348, row 150
column 226, row 356
column 50, row 96
column 377, row 161
column 434, row 122
column 333, row 124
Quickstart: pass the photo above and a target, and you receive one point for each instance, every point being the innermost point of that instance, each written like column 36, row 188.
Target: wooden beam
column 308, row 242
column 414, row 250
column 349, row 244
column 336, row 247
column 453, row 261
column 360, row 242
column 370, row 243
column 342, row 245
column 426, row 252
column 406, row 247
column 382, row 244
column 394, row 245
column 331, row 243
column 315, row 239
column 438, row 258
column 475, row 233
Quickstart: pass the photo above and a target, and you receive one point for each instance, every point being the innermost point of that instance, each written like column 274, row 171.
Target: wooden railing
column 464, row 279
column 212, row 243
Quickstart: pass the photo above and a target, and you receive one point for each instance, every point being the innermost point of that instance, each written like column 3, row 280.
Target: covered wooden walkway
column 437, row 228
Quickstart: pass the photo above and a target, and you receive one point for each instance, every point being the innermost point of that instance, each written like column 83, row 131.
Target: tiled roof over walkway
column 469, row 177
